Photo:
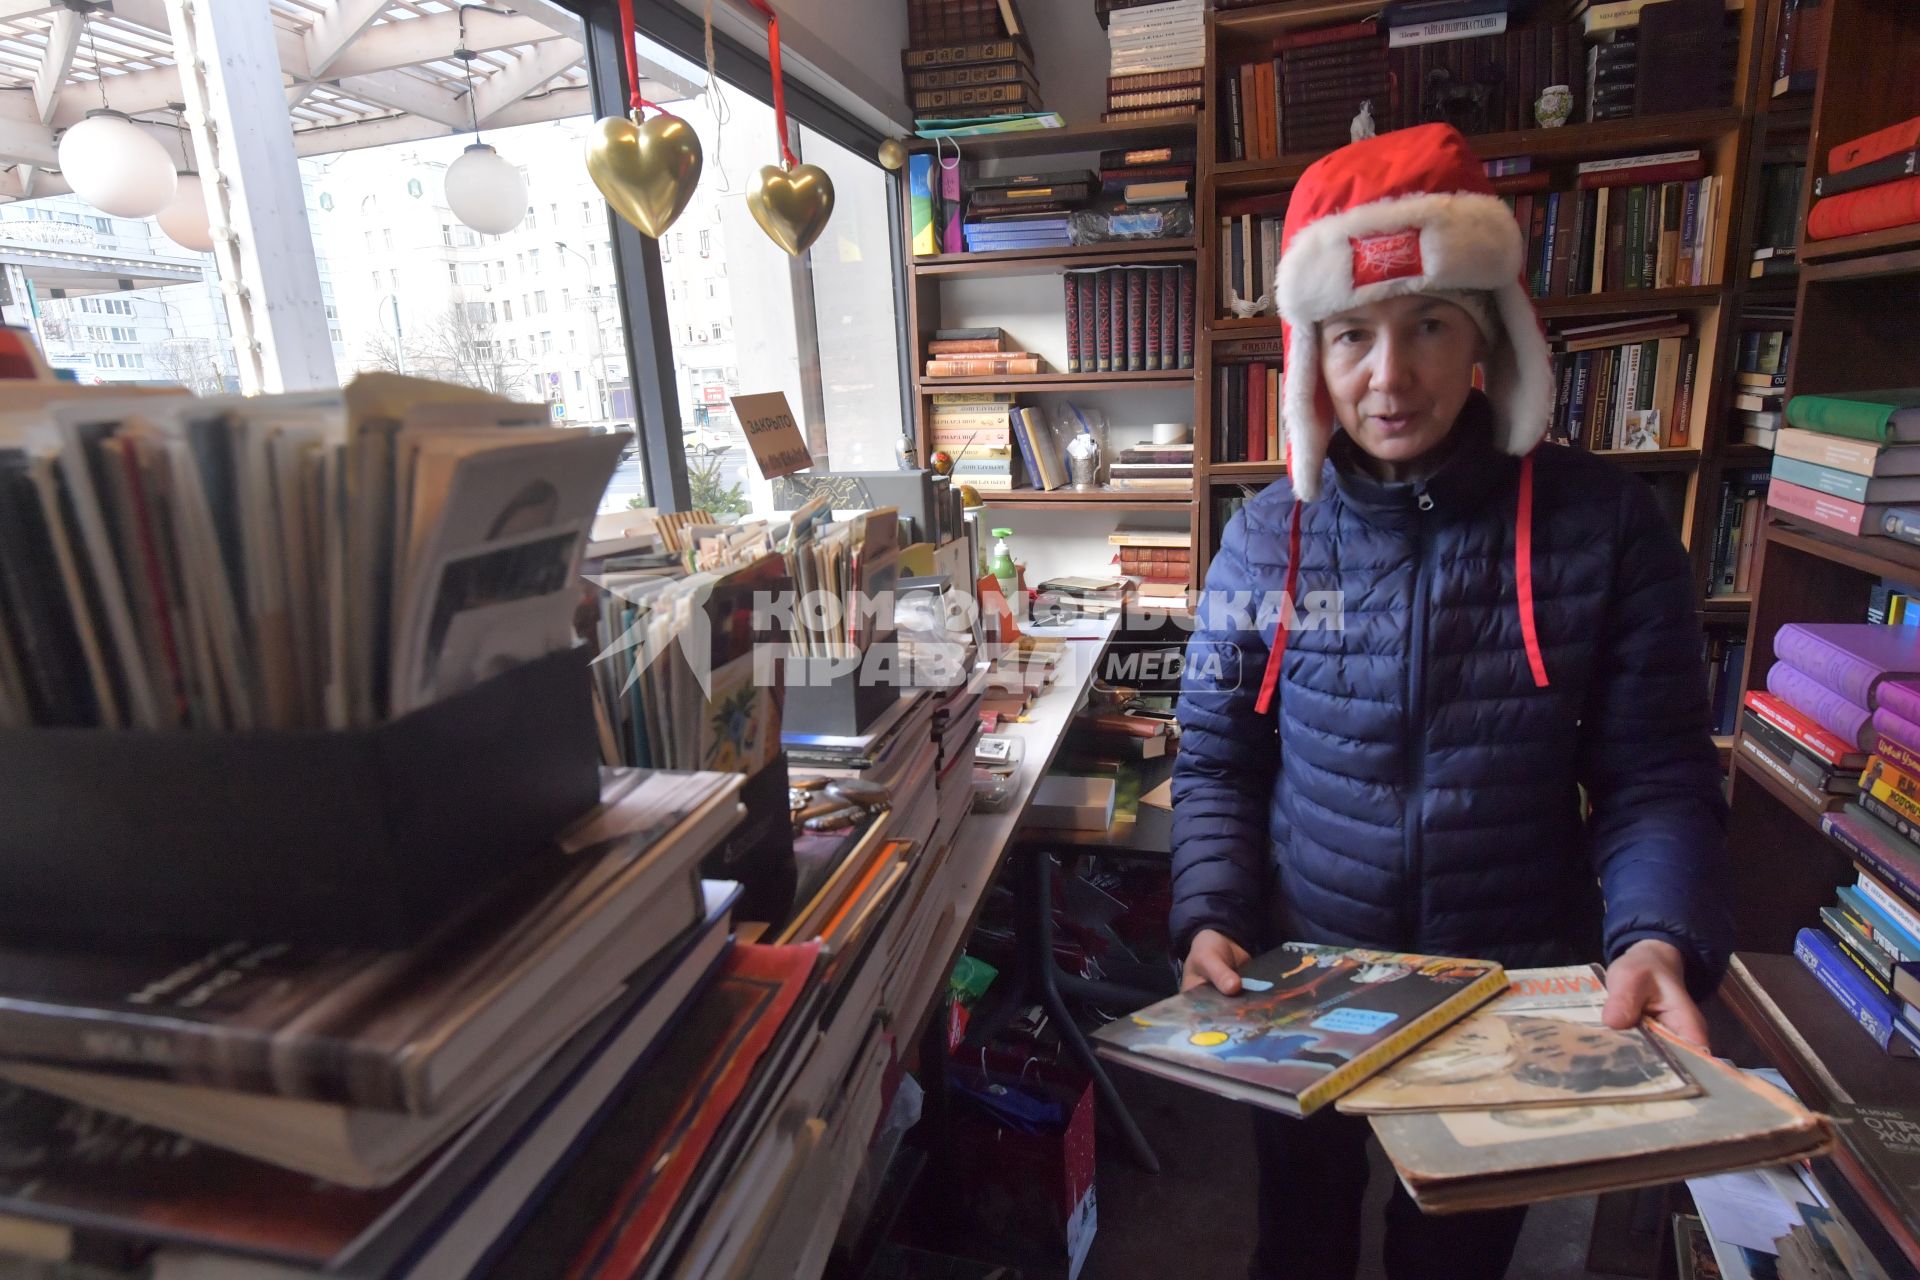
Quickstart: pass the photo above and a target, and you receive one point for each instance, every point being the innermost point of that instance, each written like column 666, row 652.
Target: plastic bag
column 1170, row 220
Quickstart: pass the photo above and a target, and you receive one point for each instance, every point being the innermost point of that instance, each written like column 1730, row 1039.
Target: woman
column 1504, row 704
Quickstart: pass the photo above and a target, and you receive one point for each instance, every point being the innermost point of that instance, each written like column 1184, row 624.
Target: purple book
column 1902, row 697
column 1850, row 658
column 1822, row 705
column 1899, row 730
column 950, row 204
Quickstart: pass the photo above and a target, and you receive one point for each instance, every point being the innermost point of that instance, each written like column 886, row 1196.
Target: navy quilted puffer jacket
column 1413, row 787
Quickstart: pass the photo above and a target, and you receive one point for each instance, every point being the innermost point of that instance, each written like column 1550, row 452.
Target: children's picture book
column 1540, row 1044
column 1452, row 1161
column 1312, row 1022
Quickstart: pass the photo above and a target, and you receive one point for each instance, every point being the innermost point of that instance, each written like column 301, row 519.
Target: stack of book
column 1760, row 377
column 1871, row 183
column 1129, row 319
column 1166, row 468
column 1635, row 222
column 1816, row 764
column 1249, row 249
column 977, row 352
column 1158, row 561
column 1246, row 400
column 1867, row 954
column 956, row 730
column 1613, row 63
column 1743, row 497
column 974, row 429
column 329, row 1108
column 1158, row 55
column 1843, row 463
column 1147, row 175
column 968, row 60
column 1625, row 384
column 1075, row 595
column 1777, row 229
column 1647, row 57
column 1303, row 94
column 1024, row 211
column 1834, row 673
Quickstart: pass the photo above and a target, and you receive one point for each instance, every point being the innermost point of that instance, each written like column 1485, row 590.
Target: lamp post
column 399, row 333
column 595, row 301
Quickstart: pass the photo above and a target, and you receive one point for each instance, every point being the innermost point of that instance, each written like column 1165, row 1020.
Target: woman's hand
column 1648, row 980
column 1213, row 958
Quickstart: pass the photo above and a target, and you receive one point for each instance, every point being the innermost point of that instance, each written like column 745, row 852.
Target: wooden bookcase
column 1849, row 334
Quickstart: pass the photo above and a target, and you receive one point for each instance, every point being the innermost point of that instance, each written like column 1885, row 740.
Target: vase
column 1553, row 107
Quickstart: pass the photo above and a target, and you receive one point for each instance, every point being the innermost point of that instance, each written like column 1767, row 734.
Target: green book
column 1885, row 417
column 1636, row 235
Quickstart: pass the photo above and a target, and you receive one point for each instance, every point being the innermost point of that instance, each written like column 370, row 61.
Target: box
column 1066, row 802
column 842, row 697
column 759, row 851
column 365, row 837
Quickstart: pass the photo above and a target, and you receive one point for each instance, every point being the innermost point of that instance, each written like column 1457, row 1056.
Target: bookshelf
column 1843, row 294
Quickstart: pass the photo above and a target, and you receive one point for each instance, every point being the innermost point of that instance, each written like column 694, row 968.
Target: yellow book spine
column 1890, row 795
column 1428, row 1024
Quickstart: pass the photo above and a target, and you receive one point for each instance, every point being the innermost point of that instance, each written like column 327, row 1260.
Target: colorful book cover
column 920, row 201
column 1850, row 658
column 1313, row 1022
column 1084, row 284
column 1871, row 1008
column 703, row 1070
column 1071, row 283
column 947, row 209
column 1902, row 699
column 1540, row 1044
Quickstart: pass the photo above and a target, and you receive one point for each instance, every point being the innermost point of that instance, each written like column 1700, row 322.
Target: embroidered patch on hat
column 1390, row 255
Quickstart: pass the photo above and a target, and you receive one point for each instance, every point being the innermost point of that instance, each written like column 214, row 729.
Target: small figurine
column 1362, row 127
column 1554, row 106
column 941, row 461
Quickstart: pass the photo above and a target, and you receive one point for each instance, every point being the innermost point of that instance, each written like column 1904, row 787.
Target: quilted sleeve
column 1647, row 759
column 1223, row 777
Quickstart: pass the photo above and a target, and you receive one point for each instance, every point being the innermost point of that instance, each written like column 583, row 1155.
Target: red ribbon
column 779, row 81
column 632, row 33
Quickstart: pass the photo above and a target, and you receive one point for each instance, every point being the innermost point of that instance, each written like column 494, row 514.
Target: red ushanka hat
column 1409, row 211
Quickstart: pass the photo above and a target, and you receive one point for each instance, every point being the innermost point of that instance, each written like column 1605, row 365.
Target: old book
column 1313, row 1022
column 396, row 1030
column 1451, row 1161
column 961, row 367
column 1540, row 1044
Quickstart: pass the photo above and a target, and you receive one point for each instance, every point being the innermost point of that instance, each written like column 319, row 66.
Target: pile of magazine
column 323, row 560
column 1485, row 1088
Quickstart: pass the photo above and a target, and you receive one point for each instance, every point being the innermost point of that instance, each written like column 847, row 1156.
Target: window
column 453, row 273
column 393, row 277
column 540, row 301
column 553, row 215
column 387, row 232
column 716, row 331
column 506, row 310
column 566, row 299
column 333, row 335
column 369, row 238
column 586, row 212
column 446, row 233
column 706, row 243
column 533, row 219
column 593, row 255
column 513, row 348
column 533, row 259
column 493, row 313
column 576, row 380
column 376, row 279
column 546, row 342
column 679, row 242
column 520, row 263
column 103, row 225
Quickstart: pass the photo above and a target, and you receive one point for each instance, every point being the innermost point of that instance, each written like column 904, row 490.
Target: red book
column 1366, row 30
column 1103, row 321
column 1892, row 204
column 1821, row 508
column 1074, row 365
column 1827, row 746
column 701, row 1072
column 1151, row 320
column 1257, row 412
column 1516, row 183
column 1680, row 171
column 1877, row 145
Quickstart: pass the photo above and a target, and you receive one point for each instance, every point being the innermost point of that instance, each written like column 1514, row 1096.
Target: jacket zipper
column 1416, row 694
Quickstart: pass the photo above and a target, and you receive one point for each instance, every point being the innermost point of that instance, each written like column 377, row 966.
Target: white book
column 1480, row 24
column 1618, row 163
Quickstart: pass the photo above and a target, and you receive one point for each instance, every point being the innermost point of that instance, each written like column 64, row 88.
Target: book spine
column 1873, row 146
column 1017, row 426
column 1829, row 709
column 1875, row 783
column 1070, row 281
column 1084, row 284
column 1895, row 729
column 1821, row 508
column 1150, row 319
column 1371, row 1059
column 1845, row 674
column 1257, row 412
column 1894, row 204
column 1890, row 903
column 1783, row 772
column 1859, row 419
column 1821, row 957
column 1136, row 328
column 1102, row 321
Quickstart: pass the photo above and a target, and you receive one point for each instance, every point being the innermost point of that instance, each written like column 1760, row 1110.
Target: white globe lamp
column 485, row 191
column 185, row 217
column 117, row 167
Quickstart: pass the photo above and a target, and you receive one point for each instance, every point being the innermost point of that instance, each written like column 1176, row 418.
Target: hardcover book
column 1451, row 1161
column 1312, row 1022
column 1540, row 1044
column 1850, row 658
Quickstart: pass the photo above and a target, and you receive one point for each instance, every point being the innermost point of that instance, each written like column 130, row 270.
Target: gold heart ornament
column 791, row 207
column 647, row 171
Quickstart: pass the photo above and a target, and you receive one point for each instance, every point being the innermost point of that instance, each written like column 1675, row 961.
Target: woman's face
column 1398, row 373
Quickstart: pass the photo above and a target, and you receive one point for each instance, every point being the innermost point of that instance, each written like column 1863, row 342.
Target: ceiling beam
column 407, row 93
column 339, row 26
column 523, row 75
column 400, row 44
column 11, row 9
column 556, row 17
column 26, row 142
column 326, row 140
column 134, row 93
column 63, row 37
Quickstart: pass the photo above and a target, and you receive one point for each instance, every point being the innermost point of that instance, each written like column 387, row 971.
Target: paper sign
column 772, row 434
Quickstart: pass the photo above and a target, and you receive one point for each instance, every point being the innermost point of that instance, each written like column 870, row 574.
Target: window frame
column 640, row 286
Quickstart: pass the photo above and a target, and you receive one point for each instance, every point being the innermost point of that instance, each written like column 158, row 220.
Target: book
column 1312, row 1022
column 1902, row 164
column 1823, row 509
column 1885, row 417
column 983, row 366
column 1903, row 136
column 1841, row 453
column 1891, row 204
column 395, row 1030
column 1873, row 1010
column 1540, row 1043
column 1807, row 734
column 1886, row 1138
column 1850, row 658
column 1459, row 1160
column 1831, row 710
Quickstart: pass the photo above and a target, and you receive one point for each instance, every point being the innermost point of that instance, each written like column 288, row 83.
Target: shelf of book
column 1073, row 138
column 1113, row 499
column 1880, row 557
column 1831, row 1065
column 1895, row 251
column 1225, row 327
column 1247, row 470
column 1568, row 142
column 1013, row 262
column 1136, row 379
column 1652, row 459
column 1775, row 787
column 1730, row 604
column 1628, row 301
column 1259, row 22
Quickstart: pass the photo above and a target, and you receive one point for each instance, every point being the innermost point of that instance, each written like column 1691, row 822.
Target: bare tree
column 463, row 346
column 187, row 362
